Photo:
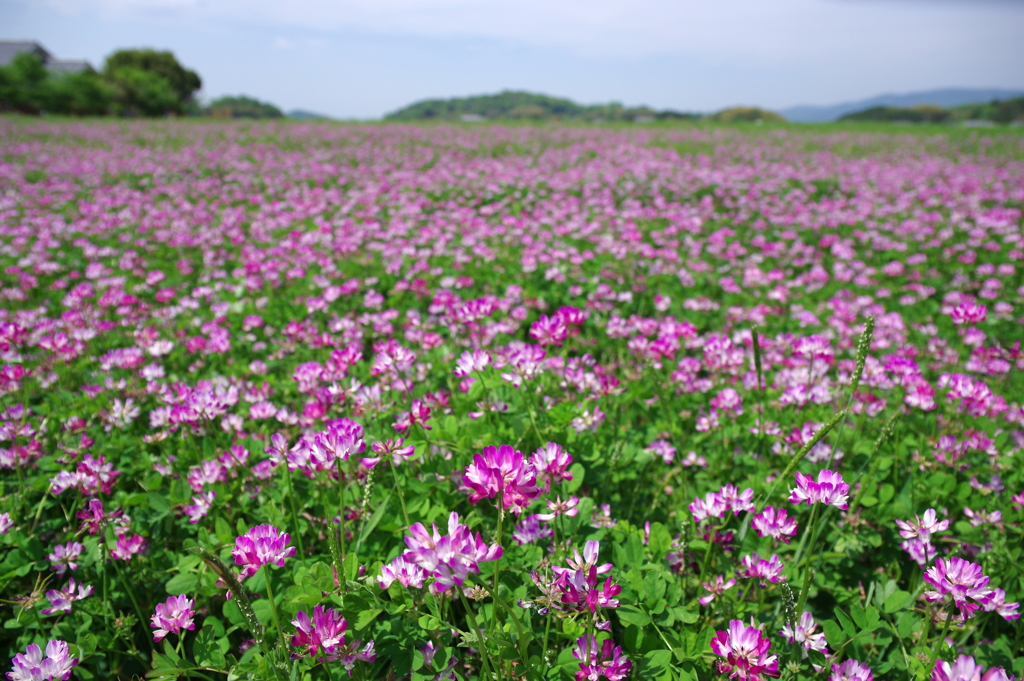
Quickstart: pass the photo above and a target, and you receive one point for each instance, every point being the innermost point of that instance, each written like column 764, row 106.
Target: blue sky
column 364, row 58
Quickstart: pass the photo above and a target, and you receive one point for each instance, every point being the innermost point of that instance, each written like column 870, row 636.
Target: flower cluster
column 172, row 616
column 502, row 470
column 261, row 545
column 448, row 559
column 745, row 649
column 829, row 489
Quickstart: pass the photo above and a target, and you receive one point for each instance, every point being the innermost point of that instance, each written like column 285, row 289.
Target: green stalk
column 291, row 506
column 497, row 564
column 484, row 657
column 398, row 488
column 273, row 606
column 131, row 593
column 798, row 457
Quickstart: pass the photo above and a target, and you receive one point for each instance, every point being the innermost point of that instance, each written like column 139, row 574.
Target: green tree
column 150, row 83
column 23, row 84
column 79, row 94
column 143, row 93
column 242, row 107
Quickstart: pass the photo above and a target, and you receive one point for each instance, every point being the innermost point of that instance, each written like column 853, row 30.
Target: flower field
column 321, row 401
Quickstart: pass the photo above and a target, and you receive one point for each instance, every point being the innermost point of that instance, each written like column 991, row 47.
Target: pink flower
column 968, row 313
column 755, row 567
column 5, row 523
column 996, row 602
column 803, row 634
column 550, row 462
column 922, row 527
column 60, row 601
column 851, row 670
column 960, row 579
column 718, row 586
column 745, row 650
column 405, row 573
column 324, row 631
column 775, row 524
column 261, row 545
column 596, row 661
column 450, row 559
column 502, row 470
column 32, row 666
column 65, row 557
column 829, row 489
column 128, row 546
column 965, row 668
column 530, row 530
column 173, row 615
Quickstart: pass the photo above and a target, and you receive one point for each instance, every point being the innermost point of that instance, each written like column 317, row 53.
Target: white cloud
column 779, row 31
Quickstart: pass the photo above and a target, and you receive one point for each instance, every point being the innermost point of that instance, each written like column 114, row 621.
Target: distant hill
column 746, row 114
column 300, row 115
column 999, row 111
column 527, row 106
column 242, row 107
column 946, row 98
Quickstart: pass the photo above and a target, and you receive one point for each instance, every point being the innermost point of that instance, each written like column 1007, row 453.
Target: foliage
column 517, row 403
column 746, row 115
column 242, row 107
column 998, row 111
column 182, row 82
column 514, row 105
column 925, row 113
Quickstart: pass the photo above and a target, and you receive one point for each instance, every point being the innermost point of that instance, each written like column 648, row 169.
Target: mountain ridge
column 944, row 97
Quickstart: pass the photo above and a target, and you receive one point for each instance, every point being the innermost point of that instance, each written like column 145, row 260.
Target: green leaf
column 833, row 634
column 364, row 618
column 897, row 601
column 630, row 614
column 429, row 622
column 371, row 524
column 182, row 583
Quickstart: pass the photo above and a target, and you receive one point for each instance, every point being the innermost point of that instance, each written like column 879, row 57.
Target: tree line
column 133, row 83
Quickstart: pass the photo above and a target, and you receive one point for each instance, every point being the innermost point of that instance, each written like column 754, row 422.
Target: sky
column 364, row 58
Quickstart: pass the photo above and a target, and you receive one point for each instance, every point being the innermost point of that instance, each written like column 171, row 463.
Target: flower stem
column 484, row 657
column 273, row 606
column 398, row 488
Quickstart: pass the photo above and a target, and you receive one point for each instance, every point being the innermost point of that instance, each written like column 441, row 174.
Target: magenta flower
column 529, row 529
column 922, row 526
column 551, row 463
column 996, row 602
column 172, row 616
column 32, row 666
column 596, row 660
column 128, row 546
column 324, row 631
column 261, row 545
column 718, row 586
column 851, row 670
column 775, row 524
column 959, row 579
column 406, row 573
column 968, row 313
column 65, row 557
column 5, row 523
column 829, row 489
column 965, row 668
column 755, row 567
column 745, row 650
column 60, row 601
column 502, row 470
column 804, row 634
column 450, row 558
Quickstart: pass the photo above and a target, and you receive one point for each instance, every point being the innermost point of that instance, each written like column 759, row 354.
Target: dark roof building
column 11, row 48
